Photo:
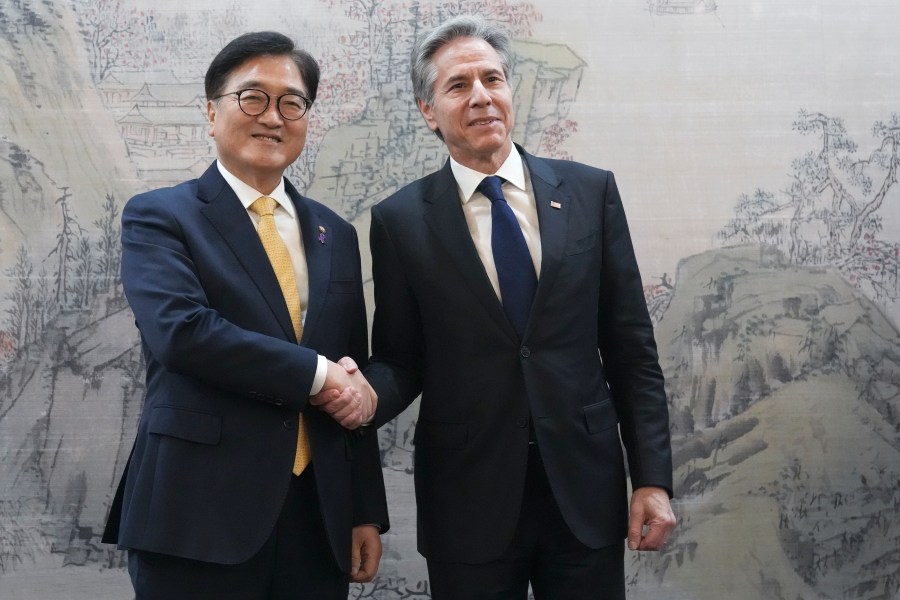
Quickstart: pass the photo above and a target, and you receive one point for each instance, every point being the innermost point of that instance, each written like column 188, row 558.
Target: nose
column 479, row 95
column 271, row 116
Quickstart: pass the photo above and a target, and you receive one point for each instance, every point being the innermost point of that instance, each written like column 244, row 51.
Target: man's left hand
column 365, row 553
column 650, row 506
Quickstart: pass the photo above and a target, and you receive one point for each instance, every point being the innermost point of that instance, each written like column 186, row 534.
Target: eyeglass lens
column 255, row 102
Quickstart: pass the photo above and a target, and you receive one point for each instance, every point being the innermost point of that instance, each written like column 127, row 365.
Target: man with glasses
column 247, row 479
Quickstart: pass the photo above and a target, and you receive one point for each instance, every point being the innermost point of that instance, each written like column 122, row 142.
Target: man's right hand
column 346, row 395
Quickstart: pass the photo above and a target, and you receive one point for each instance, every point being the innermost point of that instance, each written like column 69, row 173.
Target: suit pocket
column 189, row 425
column 582, row 244
column 600, row 416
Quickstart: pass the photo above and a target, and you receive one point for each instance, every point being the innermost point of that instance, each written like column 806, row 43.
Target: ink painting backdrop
column 756, row 145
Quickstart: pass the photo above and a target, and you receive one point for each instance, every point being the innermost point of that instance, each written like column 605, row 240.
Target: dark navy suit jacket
column 226, row 377
column 586, row 372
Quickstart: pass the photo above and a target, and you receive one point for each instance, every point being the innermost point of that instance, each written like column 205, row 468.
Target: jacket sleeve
column 164, row 268
column 369, row 498
column 628, row 349
column 398, row 348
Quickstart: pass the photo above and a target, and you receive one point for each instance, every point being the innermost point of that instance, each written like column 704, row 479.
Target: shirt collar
column 247, row 195
column 512, row 170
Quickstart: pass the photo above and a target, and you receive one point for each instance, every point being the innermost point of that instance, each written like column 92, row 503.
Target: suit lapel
column 444, row 215
column 318, row 257
column 553, row 220
column 229, row 217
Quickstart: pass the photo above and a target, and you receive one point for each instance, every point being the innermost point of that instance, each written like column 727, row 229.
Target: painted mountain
column 785, row 403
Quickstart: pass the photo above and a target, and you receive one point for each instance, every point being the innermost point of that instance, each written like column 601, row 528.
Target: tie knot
column 490, row 187
column 264, row 206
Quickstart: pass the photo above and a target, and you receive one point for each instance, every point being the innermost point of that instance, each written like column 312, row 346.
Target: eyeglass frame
column 307, row 102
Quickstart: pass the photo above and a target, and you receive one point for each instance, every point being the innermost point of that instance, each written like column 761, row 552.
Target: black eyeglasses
column 255, row 102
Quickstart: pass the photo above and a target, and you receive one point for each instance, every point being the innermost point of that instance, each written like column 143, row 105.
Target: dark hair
column 253, row 45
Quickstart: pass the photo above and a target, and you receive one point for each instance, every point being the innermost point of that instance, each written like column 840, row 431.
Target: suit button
column 522, row 422
column 278, row 402
column 289, row 423
column 525, row 352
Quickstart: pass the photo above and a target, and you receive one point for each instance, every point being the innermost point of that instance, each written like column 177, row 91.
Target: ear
column 428, row 113
column 211, row 117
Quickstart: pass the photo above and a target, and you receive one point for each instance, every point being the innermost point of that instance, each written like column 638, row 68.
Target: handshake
column 346, row 395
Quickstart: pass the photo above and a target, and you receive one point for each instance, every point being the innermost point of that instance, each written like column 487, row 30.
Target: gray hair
column 423, row 71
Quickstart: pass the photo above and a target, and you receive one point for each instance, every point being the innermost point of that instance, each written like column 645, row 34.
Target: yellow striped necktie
column 284, row 271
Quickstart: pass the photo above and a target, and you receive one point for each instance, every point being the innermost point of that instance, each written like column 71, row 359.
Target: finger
column 373, row 400
column 343, row 400
column 660, row 522
column 324, row 397
column 351, row 422
column 655, row 538
column 346, row 411
column 661, row 527
column 339, row 408
column 635, row 529
column 368, row 565
column 349, row 365
column 354, row 560
column 352, row 416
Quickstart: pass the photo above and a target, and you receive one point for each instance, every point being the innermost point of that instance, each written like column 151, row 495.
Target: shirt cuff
column 321, row 372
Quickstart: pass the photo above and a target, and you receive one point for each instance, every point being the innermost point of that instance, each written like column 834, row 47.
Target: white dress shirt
column 288, row 226
column 477, row 210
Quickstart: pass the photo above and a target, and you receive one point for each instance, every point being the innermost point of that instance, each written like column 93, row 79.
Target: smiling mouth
column 478, row 122
column 267, row 138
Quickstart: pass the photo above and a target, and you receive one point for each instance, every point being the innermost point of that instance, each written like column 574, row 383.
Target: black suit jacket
column 226, row 377
column 585, row 370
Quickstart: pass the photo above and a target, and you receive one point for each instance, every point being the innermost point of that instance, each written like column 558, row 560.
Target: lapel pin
column 321, row 234
column 555, row 204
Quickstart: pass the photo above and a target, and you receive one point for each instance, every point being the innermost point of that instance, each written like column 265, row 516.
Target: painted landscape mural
column 757, row 146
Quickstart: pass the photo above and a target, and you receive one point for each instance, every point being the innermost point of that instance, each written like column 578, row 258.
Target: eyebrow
column 258, row 85
column 465, row 77
column 454, row 79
